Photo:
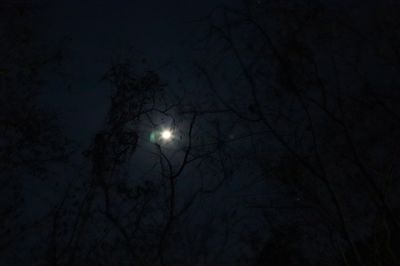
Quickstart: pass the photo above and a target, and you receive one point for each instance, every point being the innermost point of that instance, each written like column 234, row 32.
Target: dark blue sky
column 93, row 33
column 291, row 157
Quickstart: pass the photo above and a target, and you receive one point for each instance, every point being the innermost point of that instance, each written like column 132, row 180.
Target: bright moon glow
column 166, row 134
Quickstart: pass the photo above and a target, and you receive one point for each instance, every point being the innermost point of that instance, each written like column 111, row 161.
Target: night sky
column 95, row 33
column 230, row 132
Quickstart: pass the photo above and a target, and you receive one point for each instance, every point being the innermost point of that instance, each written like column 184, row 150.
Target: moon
column 166, row 134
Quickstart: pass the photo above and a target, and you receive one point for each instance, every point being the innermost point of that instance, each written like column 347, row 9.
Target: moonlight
column 166, row 134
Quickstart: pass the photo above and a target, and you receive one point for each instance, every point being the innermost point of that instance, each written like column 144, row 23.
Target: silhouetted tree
column 322, row 80
column 31, row 142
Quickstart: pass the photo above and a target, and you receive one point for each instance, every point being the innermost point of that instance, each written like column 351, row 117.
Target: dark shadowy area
column 253, row 132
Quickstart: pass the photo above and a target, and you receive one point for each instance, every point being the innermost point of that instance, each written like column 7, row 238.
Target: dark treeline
column 286, row 151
